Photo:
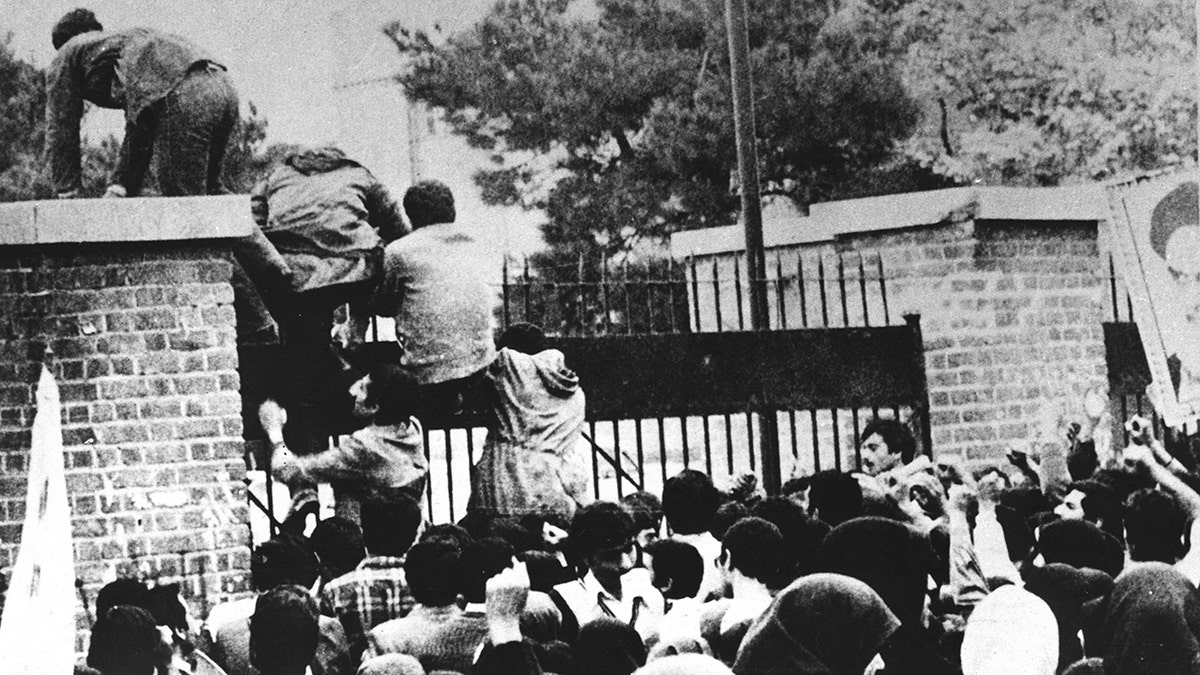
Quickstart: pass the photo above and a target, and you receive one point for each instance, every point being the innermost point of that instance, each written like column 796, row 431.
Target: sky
column 316, row 71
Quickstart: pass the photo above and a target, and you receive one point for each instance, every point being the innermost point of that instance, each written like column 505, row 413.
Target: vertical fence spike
column 780, row 293
column 800, row 284
column 696, row 293
column 841, row 270
column 604, row 299
column 625, row 290
column 862, row 289
column 821, row 287
column 887, row 319
column 737, row 291
column 716, row 284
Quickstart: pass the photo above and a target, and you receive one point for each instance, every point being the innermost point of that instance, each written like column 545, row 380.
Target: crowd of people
column 910, row 567
column 1075, row 559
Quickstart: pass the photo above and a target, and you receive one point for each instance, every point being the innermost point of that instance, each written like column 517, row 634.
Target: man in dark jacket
column 178, row 103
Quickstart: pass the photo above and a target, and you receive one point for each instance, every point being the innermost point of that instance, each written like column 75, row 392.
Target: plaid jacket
column 376, row 591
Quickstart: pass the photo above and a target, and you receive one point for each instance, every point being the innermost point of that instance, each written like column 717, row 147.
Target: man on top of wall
column 178, row 103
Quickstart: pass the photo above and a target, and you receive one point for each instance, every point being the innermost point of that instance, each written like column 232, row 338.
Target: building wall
column 143, row 348
column 1011, row 315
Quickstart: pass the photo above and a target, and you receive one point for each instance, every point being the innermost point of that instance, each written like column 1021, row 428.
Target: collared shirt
column 376, row 591
column 641, row 604
column 435, row 285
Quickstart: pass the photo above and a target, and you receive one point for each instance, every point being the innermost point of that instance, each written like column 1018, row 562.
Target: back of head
column 74, row 22
column 481, row 560
column 166, row 607
column 755, row 548
column 338, row 544
column 523, row 337
column 429, row 202
column 432, row 571
column 728, row 514
column 124, row 591
column 835, row 496
column 801, row 536
column 607, row 646
column 889, row 556
column 389, row 528
column 283, row 559
column 677, row 566
column 1149, row 624
column 645, row 508
column 1010, row 631
column 394, row 391
column 899, row 437
column 283, row 630
column 1079, row 543
column 599, row 526
column 690, row 502
column 1102, row 504
column 125, row 641
column 821, row 623
column 391, row 664
column 1155, row 526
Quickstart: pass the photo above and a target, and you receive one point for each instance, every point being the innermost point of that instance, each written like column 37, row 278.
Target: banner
column 1156, row 233
column 37, row 630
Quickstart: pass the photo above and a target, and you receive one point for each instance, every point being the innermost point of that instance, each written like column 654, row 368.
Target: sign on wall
column 1155, row 225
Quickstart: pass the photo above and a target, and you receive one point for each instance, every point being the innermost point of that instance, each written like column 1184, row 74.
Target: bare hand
column 960, row 498
column 273, row 418
column 506, row 596
column 1138, row 456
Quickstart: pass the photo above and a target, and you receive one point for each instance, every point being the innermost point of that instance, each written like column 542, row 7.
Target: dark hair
column 124, row 591
column 728, row 514
column 125, row 641
column 793, row 485
column 1101, row 505
column 523, row 337
column 164, row 605
column 835, row 496
column 390, row 528
column 432, row 571
column 678, row 564
column 1079, row 543
column 429, row 202
column 645, row 509
column 73, row 23
column 394, row 391
column 449, row 532
column 690, row 502
column 283, row 559
column 801, row 536
column 599, row 526
column 338, row 543
column 1155, row 525
column 481, row 560
column 283, row 630
column 756, row 549
column 897, row 436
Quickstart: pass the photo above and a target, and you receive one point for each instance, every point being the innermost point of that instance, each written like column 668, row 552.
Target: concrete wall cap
column 124, row 220
column 828, row 220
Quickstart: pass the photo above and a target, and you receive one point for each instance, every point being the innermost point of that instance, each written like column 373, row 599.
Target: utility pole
column 747, row 159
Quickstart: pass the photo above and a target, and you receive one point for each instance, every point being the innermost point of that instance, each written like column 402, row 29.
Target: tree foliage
column 624, row 120
column 1037, row 92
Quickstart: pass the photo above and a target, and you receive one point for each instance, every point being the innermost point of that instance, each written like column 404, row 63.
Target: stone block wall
column 142, row 342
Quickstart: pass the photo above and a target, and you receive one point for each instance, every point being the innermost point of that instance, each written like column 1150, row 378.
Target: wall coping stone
column 784, row 226
column 124, row 220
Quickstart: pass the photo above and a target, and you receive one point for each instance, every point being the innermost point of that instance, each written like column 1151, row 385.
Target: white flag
column 37, row 631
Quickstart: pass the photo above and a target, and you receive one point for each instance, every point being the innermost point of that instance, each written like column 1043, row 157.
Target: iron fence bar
column 604, row 297
column 446, row 447
column 270, row 483
column 862, row 289
column 841, row 270
column 887, row 317
column 527, row 287
column 428, row 462
column 707, row 445
column 717, row 297
column 780, row 299
column 614, row 462
column 470, row 450
column 641, row 456
column 628, row 304
column 687, row 445
column 750, row 443
column 857, row 436
column 800, row 284
column 737, row 291
column 595, row 460
column 729, row 438
column 671, row 294
column 795, row 442
column 1112, row 285
column 816, row 439
column 662, row 448
column 1124, row 416
column 696, row 293
column 505, row 292
column 821, row 286
column 837, row 441
column 650, row 308
column 616, row 428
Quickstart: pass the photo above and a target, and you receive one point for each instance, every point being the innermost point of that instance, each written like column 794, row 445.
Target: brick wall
column 143, row 346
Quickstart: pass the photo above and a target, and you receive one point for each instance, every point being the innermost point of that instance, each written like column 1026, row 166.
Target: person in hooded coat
column 1148, row 625
column 1065, row 589
column 532, row 462
column 1010, row 631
